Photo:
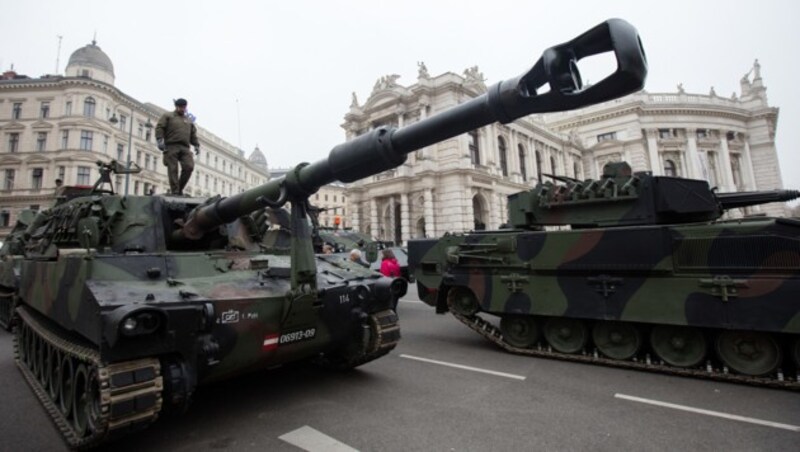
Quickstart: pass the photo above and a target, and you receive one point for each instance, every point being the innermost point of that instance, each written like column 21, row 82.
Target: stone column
column 404, row 220
column 355, row 220
column 513, row 156
column 390, row 228
column 373, row 218
column 652, row 151
column 725, row 160
column 692, row 156
column 748, row 164
column 430, row 229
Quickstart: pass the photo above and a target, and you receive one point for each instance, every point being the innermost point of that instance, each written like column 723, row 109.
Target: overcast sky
column 280, row 75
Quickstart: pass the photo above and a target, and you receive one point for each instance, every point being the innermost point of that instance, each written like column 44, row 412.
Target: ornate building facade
column 59, row 126
column 462, row 184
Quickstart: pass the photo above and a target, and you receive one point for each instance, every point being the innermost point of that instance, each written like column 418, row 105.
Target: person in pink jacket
column 389, row 265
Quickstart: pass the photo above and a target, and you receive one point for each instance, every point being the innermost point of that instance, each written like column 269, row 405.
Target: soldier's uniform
column 178, row 132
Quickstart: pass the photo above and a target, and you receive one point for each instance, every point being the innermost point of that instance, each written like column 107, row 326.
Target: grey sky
column 293, row 65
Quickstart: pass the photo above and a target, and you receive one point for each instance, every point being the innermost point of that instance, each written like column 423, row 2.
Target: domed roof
column 257, row 158
column 91, row 55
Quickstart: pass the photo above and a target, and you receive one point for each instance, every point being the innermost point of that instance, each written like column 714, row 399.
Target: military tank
column 641, row 272
column 125, row 305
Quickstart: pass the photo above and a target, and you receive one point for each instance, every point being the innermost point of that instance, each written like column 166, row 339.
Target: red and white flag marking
column 270, row 342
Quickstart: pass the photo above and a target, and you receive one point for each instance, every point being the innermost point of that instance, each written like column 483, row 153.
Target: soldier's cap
column 181, row 102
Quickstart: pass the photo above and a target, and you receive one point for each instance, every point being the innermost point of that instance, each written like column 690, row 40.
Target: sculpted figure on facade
column 680, row 88
column 354, row 102
column 422, row 71
column 386, row 82
column 473, row 75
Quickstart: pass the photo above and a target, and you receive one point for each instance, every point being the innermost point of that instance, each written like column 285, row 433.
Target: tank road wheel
column 566, row 335
column 36, row 355
column 80, row 401
column 67, row 372
column 749, row 352
column 796, row 352
column 462, row 301
column 54, row 375
column 44, row 362
column 520, row 330
column 94, row 407
column 617, row 340
column 680, row 346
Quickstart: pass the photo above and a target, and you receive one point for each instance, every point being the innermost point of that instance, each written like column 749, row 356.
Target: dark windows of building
column 37, row 174
column 665, row 133
column 68, row 108
column 13, row 142
column 607, row 136
column 120, row 152
column 86, row 140
column 474, row 149
column 123, row 121
column 105, row 144
column 730, row 136
column 670, row 169
column 503, row 155
column 84, row 175
column 136, row 187
column 8, row 180
column 702, row 133
column 44, row 110
column 62, row 172
column 41, row 141
column 147, row 162
column 538, row 166
column 5, row 218
column 576, row 171
column 16, row 110
column 522, row 169
column 88, row 107
column 64, row 139
column 34, row 207
column 553, row 165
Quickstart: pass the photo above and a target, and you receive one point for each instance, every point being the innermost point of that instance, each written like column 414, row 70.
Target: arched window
column 553, row 165
column 88, row 107
column 670, row 169
column 522, row 170
column 474, row 151
column 501, row 150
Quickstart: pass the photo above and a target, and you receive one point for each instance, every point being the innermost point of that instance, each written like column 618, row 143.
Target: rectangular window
column 474, row 151
column 147, row 162
column 86, row 140
column 16, row 110
column 62, row 172
column 37, row 175
column 44, row 110
column 139, row 158
column 136, row 187
column 64, row 139
column 13, row 142
column 105, row 144
column 84, row 175
column 120, row 152
column 41, row 141
column 606, row 136
column 68, row 108
column 206, row 181
column 5, row 218
column 8, row 181
column 123, row 120
column 702, row 133
column 88, row 107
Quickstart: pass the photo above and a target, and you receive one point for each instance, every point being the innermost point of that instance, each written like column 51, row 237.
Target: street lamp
column 148, row 125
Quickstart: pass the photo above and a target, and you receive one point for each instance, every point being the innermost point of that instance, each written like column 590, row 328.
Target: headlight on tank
column 141, row 322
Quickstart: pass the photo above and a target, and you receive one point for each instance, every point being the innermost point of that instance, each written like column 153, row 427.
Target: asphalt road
column 414, row 400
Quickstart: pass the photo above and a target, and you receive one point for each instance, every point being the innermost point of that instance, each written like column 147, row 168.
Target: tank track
column 494, row 335
column 118, row 398
column 384, row 334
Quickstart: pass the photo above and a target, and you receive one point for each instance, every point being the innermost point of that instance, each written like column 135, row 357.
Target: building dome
column 257, row 158
column 90, row 61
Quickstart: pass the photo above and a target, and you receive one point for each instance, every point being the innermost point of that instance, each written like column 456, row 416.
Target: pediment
column 12, row 126
column 381, row 97
column 10, row 160
column 607, row 144
column 37, row 159
column 40, row 125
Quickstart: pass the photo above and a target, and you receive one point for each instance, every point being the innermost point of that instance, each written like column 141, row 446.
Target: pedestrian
column 327, row 249
column 59, row 187
column 389, row 265
column 355, row 256
column 175, row 131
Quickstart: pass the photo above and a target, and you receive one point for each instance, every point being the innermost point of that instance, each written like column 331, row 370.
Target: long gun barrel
column 386, row 148
column 752, row 198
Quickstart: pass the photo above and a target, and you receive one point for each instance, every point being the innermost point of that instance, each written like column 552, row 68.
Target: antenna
column 58, row 52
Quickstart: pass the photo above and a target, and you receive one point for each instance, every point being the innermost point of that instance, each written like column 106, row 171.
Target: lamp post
column 147, row 125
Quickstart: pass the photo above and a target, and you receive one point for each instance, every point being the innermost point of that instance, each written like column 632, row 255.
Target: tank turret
column 623, row 198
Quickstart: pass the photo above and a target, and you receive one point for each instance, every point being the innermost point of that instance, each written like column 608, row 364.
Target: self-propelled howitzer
column 642, row 272
column 126, row 304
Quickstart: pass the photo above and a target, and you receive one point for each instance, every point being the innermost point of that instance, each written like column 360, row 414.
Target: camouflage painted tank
column 648, row 275
column 127, row 304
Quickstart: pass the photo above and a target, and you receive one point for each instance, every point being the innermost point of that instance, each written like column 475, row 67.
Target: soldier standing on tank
column 175, row 131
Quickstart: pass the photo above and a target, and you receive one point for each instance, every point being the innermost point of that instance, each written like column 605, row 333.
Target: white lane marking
column 411, row 300
column 312, row 440
column 463, row 367
column 793, row 428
